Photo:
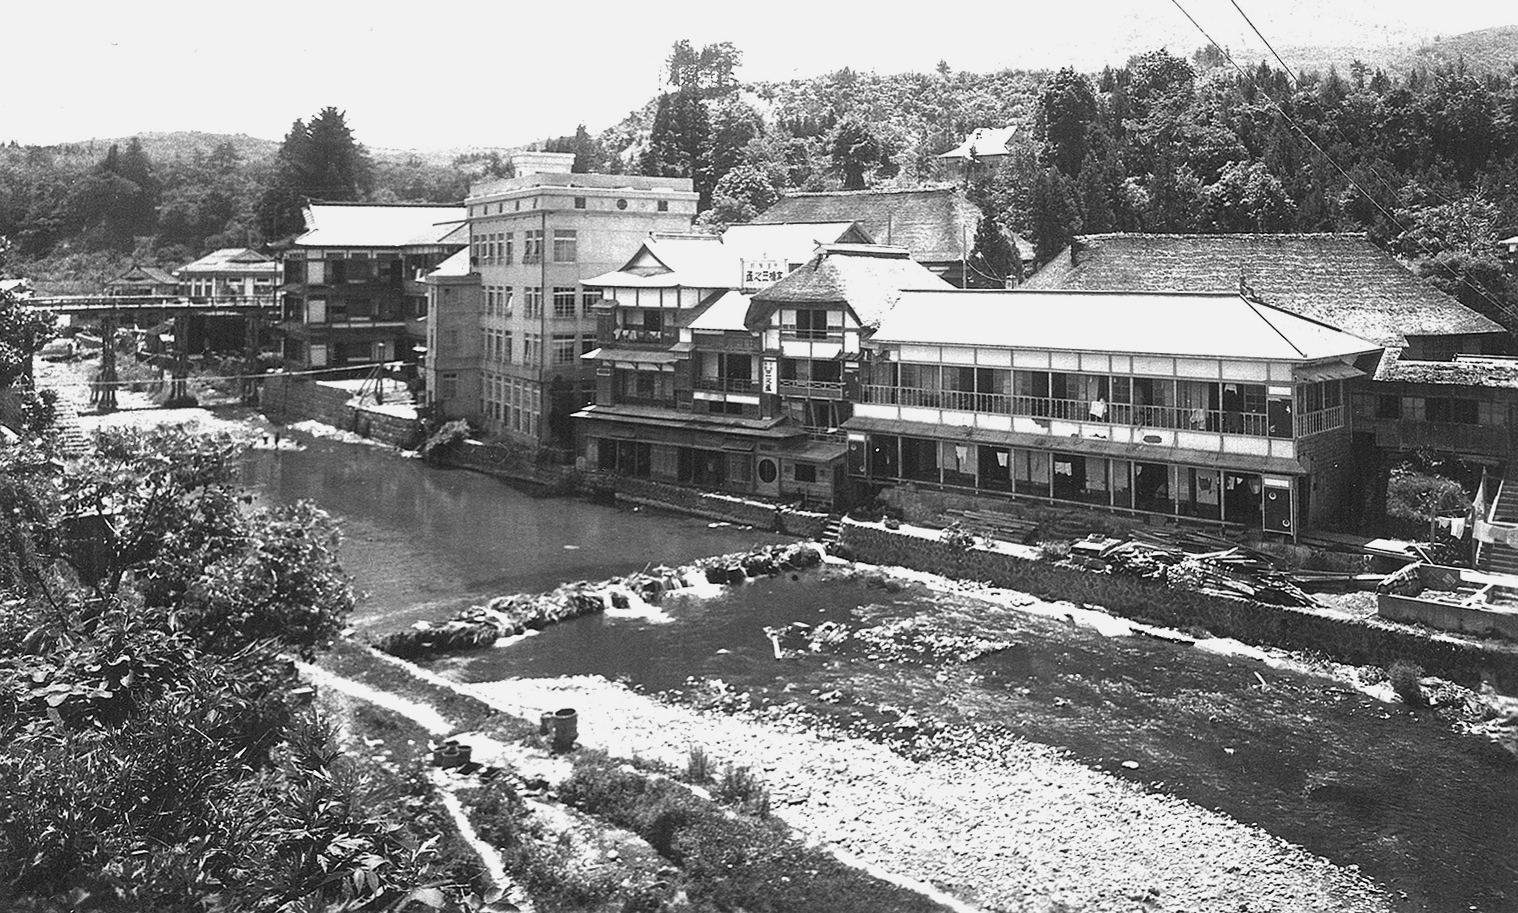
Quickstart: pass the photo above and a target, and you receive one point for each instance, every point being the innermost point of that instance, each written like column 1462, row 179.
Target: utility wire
column 1296, row 86
column 1390, row 217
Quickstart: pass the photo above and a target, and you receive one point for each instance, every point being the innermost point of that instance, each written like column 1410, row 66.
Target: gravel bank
column 1029, row 831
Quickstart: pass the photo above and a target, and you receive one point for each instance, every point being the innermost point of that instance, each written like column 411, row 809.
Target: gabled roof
column 377, row 224
column 937, row 224
column 869, row 279
column 790, row 242
column 1201, row 325
column 676, row 261
column 1339, row 279
column 441, row 234
column 984, row 141
column 232, row 259
column 142, row 275
column 723, row 313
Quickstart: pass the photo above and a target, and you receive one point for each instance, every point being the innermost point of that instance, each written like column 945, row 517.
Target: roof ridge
column 1231, row 234
column 933, row 188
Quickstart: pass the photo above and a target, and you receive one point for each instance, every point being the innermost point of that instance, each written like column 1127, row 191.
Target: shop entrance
column 1241, row 499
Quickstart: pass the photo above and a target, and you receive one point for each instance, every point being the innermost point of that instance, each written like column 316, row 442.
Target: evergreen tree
column 855, row 152
column 1053, row 219
column 319, row 161
column 679, row 143
column 1066, row 112
column 994, row 261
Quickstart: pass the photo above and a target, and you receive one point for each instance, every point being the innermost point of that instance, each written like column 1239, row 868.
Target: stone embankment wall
column 1350, row 640
column 295, row 399
column 510, row 463
column 761, row 514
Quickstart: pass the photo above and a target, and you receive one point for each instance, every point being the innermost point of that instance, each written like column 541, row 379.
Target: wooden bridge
column 110, row 309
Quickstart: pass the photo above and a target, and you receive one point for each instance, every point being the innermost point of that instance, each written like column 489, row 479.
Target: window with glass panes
column 564, row 352
column 532, row 302
column 532, row 246
column 565, row 244
column 563, row 301
column 588, row 299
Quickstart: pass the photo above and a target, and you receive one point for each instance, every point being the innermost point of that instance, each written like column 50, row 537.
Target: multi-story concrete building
column 1210, row 406
column 353, row 290
column 455, row 307
column 533, row 239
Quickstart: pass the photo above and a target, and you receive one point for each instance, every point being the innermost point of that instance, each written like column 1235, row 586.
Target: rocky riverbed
column 1024, row 828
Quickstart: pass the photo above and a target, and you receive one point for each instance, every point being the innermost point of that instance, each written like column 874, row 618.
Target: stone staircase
column 1497, row 557
column 72, row 441
column 832, row 530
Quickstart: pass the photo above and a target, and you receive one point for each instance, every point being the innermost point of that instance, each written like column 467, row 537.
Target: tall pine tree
column 319, row 161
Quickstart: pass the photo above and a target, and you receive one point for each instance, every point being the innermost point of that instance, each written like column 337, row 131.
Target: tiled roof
column 936, row 224
column 868, row 278
column 376, row 224
column 1199, row 325
column 232, row 259
column 985, row 141
column 1473, row 372
column 1339, row 279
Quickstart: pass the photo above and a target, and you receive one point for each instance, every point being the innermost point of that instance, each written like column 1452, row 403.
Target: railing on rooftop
column 1256, row 424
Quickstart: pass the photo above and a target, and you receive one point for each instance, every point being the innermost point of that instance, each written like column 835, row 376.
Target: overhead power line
column 1390, row 217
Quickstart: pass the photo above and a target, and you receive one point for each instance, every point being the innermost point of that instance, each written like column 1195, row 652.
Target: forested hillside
column 1424, row 159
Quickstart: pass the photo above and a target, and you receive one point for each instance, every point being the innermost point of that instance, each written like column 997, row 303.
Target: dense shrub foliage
column 157, row 750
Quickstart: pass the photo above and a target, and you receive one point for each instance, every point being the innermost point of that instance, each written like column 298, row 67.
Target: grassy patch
column 355, row 661
column 728, row 861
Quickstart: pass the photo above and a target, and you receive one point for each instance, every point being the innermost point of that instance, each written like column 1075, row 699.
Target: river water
column 1429, row 813
column 422, row 542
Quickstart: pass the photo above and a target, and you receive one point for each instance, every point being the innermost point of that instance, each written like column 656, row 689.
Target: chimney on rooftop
column 525, row 163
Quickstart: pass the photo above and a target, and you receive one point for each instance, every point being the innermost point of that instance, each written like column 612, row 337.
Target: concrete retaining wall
column 1357, row 641
column 298, row 399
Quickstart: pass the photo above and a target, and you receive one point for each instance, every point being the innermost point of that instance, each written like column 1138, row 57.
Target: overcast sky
column 454, row 74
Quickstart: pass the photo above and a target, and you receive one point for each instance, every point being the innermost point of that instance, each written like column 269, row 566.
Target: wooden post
column 105, row 382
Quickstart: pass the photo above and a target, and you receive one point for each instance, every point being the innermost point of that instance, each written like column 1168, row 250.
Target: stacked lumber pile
column 994, row 524
column 1189, row 560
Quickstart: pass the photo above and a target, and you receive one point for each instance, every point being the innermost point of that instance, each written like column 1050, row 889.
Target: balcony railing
column 826, row 435
column 791, row 331
column 1316, row 422
column 816, row 389
column 726, row 384
column 1255, row 424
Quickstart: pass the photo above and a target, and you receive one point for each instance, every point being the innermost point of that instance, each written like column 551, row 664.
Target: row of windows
column 579, row 203
column 497, row 301
column 1444, row 409
column 498, row 248
column 511, row 404
column 568, row 301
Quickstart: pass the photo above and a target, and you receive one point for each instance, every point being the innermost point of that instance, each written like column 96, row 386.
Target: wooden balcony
column 811, row 389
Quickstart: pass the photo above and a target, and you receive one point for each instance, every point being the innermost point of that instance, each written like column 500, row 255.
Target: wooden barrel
column 566, row 728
